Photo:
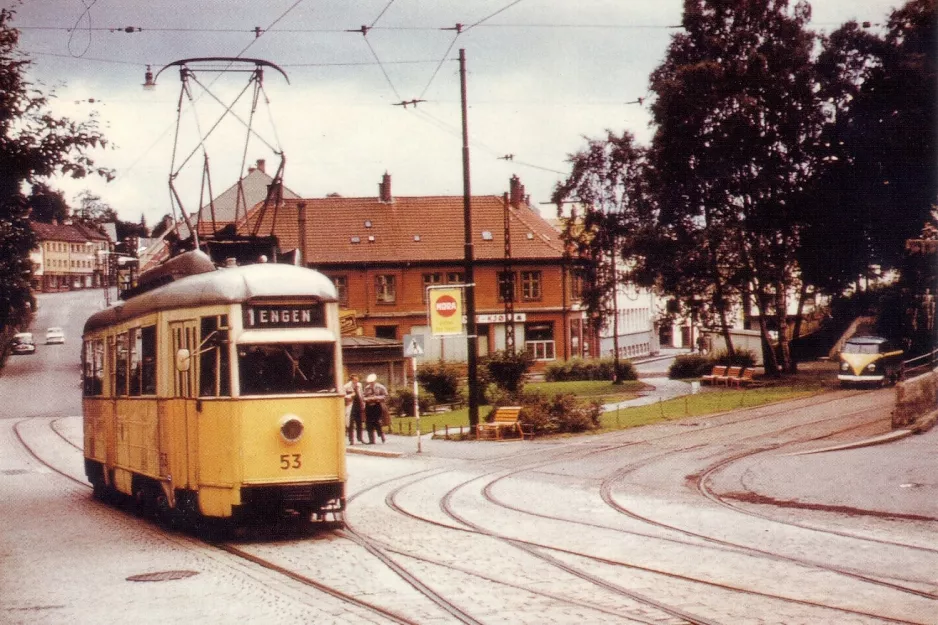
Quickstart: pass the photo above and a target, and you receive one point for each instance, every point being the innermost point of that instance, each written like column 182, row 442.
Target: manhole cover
column 161, row 576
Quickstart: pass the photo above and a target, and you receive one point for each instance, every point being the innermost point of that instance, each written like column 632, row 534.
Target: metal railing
column 919, row 364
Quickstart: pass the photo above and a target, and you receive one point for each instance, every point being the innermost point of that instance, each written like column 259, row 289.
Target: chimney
column 261, row 164
column 301, row 226
column 516, row 191
column 384, row 189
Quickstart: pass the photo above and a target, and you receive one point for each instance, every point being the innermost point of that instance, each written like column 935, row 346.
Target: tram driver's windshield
column 285, row 368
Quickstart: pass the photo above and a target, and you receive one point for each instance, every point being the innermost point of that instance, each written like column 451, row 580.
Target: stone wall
column 916, row 402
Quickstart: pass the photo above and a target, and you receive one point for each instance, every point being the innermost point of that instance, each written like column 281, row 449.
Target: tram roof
column 230, row 285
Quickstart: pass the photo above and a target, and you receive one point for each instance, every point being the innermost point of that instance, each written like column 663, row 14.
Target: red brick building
column 383, row 252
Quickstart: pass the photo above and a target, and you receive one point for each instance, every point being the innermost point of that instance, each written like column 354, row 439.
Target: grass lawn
column 588, row 390
column 704, row 403
column 711, row 402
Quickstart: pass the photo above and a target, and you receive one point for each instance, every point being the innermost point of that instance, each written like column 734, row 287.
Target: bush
column 508, row 369
column 742, row 358
column 558, row 414
column 402, row 402
column 689, row 366
column 579, row 369
column 441, row 380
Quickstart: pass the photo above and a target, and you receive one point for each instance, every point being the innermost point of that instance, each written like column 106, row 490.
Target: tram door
column 185, row 335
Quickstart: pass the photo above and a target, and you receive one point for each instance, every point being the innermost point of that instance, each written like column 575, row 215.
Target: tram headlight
column 844, row 366
column 871, row 367
column 291, row 428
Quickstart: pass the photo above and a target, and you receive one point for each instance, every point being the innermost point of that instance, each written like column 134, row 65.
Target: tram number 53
column 290, row 461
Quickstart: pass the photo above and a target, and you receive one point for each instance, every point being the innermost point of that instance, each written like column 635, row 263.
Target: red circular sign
column 446, row 306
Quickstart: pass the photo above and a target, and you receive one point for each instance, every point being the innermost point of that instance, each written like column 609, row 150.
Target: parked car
column 23, row 343
column 55, row 335
column 870, row 359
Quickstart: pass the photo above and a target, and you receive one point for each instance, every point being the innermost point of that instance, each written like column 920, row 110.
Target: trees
column 611, row 208
column 876, row 182
column 34, row 145
column 737, row 119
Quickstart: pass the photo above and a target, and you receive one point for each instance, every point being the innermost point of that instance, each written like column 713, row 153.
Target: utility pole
column 471, row 338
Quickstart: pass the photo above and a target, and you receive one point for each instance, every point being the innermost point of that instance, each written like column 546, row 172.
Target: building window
column 386, row 332
column 539, row 340
column 454, row 277
column 431, row 279
column 506, row 286
column 341, row 287
column 385, row 289
column 530, row 286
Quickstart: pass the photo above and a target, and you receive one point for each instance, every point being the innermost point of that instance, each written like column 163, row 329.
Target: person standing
column 376, row 398
column 354, row 409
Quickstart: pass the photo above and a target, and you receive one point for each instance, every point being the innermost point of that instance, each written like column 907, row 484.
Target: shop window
column 539, row 340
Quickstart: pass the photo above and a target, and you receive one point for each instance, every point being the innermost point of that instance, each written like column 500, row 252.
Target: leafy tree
column 34, row 145
column 610, row 210
column 737, row 120
column 877, row 182
column 46, row 204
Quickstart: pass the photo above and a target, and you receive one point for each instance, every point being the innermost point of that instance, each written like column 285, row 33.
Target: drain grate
column 15, row 471
column 161, row 576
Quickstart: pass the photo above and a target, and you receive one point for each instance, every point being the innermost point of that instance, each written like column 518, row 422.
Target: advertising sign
column 446, row 312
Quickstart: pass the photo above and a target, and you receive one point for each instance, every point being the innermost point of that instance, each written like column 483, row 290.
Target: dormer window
column 368, row 223
column 371, row 238
column 530, row 236
column 417, row 237
column 486, row 235
column 356, row 239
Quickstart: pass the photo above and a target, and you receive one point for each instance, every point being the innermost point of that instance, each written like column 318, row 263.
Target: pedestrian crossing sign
column 413, row 345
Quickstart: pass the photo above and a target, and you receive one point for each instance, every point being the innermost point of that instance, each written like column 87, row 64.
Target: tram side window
column 93, row 359
column 214, row 367
column 143, row 361
column 121, row 353
column 286, row 368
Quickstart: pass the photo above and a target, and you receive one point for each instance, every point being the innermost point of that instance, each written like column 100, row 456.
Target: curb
column 895, row 435
column 381, row 453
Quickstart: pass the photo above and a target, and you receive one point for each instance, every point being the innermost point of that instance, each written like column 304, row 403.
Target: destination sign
column 284, row 316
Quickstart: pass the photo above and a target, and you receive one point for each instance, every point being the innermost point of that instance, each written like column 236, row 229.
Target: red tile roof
column 68, row 233
column 408, row 229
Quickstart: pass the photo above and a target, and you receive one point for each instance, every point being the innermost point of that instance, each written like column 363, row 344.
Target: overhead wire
column 71, row 35
column 245, row 49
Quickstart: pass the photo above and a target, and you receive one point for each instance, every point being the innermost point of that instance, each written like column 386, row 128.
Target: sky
column 542, row 76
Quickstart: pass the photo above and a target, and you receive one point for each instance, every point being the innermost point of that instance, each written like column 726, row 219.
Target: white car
column 23, row 343
column 54, row 335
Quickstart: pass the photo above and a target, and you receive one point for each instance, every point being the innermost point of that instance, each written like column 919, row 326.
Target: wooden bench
column 716, row 374
column 731, row 373
column 745, row 379
column 505, row 417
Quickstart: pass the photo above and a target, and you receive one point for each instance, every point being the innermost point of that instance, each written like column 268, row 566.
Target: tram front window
column 286, row 368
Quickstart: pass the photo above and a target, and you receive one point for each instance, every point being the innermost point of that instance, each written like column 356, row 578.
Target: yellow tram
column 217, row 394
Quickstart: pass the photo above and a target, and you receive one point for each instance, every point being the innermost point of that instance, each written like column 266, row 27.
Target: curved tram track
column 245, row 554
column 536, row 548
